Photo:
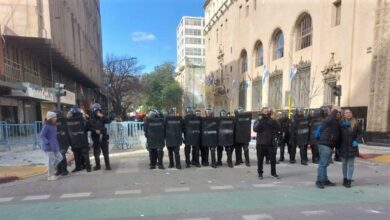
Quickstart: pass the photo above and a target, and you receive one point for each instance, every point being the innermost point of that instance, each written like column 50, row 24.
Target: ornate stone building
column 276, row 52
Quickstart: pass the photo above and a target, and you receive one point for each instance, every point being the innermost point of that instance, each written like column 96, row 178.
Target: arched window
column 278, row 45
column 305, row 31
column 244, row 61
column 259, row 54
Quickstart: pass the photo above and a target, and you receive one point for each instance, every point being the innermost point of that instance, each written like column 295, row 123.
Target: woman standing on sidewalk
column 351, row 134
column 50, row 144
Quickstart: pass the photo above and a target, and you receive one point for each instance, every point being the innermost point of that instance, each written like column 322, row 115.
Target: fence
column 124, row 134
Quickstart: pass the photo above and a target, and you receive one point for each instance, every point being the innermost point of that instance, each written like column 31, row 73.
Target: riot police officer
column 242, row 135
column 299, row 135
column 63, row 139
column 284, row 123
column 192, row 137
column 173, row 137
column 225, row 138
column 154, row 133
column 266, row 129
column 314, row 121
column 77, row 129
column 99, row 135
column 209, row 138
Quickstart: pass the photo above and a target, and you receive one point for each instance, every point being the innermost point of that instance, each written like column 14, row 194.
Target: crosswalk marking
column 257, row 217
column 6, row 199
column 264, row 185
column 123, row 171
column 227, row 187
column 75, row 195
column 128, row 192
column 373, row 211
column 38, row 197
column 178, row 189
column 196, row 219
column 315, row 212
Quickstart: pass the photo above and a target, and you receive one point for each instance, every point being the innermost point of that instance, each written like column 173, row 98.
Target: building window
column 242, row 94
column 244, row 62
column 259, row 54
column 194, row 32
column 305, row 32
column 275, row 90
column 329, row 97
column 336, row 12
column 278, row 45
column 193, row 40
column 300, row 88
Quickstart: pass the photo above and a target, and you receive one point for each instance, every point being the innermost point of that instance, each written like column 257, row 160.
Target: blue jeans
column 348, row 167
column 325, row 154
column 54, row 158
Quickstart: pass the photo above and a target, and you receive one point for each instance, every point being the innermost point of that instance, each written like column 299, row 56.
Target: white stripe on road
column 179, row 189
column 227, row 187
column 257, row 217
column 75, row 195
column 6, row 199
column 264, row 185
column 122, row 171
column 195, row 219
column 373, row 211
column 315, row 212
column 40, row 197
column 128, row 192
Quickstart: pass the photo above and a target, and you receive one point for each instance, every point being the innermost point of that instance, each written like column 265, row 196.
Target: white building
column 190, row 60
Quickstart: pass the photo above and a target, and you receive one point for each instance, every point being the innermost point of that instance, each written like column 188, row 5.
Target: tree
column 123, row 82
column 162, row 91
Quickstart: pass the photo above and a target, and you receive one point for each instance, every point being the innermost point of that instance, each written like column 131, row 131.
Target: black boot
column 213, row 159
column 177, row 159
column 345, row 182
column 349, row 183
column 107, row 162
column 170, row 156
column 247, row 161
column 97, row 163
column 160, row 155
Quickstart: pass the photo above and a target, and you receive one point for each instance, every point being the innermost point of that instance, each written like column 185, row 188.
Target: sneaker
column 320, row 185
column 275, row 176
column 152, row 167
column 52, row 178
column 65, row 173
column 328, row 183
column 261, row 176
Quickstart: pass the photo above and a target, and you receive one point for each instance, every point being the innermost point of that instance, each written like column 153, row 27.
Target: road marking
column 373, row 211
column 122, row 171
column 6, row 199
column 227, row 187
column 40, row 197
column 257, row 217
column 75, row 195
column 195, row 219
column 179, row 189
column 264, row 185
column 128, row 192
column 315, row 212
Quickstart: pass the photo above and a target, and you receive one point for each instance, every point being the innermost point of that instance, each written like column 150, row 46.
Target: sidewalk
column 375, row 153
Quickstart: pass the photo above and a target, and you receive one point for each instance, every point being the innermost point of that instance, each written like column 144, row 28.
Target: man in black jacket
column 284, row 123
column 328, row 137
column 266, row 129
column 299, row 135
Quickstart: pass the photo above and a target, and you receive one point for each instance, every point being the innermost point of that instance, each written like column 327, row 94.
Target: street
column 132, row 191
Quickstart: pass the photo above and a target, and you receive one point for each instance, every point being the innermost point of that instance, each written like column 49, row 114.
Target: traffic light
column 337, row 90
column 60, row 89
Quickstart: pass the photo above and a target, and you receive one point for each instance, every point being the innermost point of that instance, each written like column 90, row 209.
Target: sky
column 145, row 29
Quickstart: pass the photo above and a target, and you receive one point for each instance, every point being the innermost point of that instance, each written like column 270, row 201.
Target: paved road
column 131, row 191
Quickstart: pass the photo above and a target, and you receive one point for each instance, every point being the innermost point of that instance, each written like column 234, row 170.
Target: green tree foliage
column 162, row 91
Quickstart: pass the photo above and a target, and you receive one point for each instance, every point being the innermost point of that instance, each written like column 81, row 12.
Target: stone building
column 44, row 42
column 285, row 53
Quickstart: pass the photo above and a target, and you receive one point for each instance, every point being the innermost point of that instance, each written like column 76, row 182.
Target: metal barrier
column 124, row 134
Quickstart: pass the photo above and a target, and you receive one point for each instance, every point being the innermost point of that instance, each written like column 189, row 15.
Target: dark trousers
column 81, row 158
column 303, row 153
column 238, row 152
column 98, row 147
column 156, row 157
column 262, row 151
column 213, row 156
column 62, row 166
column 195, row 155
column 174, row 156
column 282, row 146
column 292, row 150
column 204, row 151
column 229, row 154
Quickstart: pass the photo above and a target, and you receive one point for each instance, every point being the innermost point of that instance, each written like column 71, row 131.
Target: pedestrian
column 266, row 129
column 284, row 123
column 328, row 137
column 299, row 136
column 351, row 135
column 174, row 137
column 242, row 135
column 225, row 137
column 209, row 138
column 155, row 138
column 314, row 121
column 64, row 142
column 50, row 144
column 191, row 130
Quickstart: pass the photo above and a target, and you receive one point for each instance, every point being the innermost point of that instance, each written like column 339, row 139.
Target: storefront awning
column 12, row 85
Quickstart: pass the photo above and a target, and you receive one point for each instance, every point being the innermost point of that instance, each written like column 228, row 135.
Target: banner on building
column 265, row 75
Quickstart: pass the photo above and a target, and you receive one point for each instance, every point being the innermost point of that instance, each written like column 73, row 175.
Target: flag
column 265, row 75
column 293, row 72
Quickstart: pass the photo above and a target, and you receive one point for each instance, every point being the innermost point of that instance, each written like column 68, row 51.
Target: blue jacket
column 49, row 138
column 330, row 131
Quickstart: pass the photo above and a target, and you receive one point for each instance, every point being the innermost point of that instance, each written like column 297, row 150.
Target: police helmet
column 299, row 111
column 172, row 111
column 75, row 111
column 239, row 110
column 325, row 111
column 209, row 112
column 223, row 113
column 154, row 113
column 189, row 111
column 198, row 113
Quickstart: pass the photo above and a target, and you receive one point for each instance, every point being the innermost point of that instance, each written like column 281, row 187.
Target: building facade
column 284, row 53
column 44, row 42
column 190, row 68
